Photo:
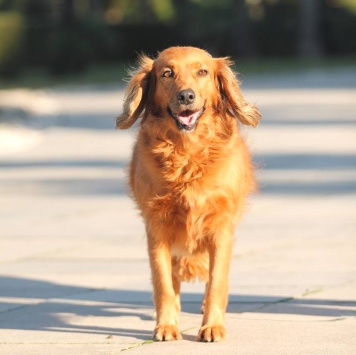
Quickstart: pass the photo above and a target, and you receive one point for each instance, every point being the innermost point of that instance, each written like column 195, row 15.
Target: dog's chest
column 179, row 166
column 189, row 198
column 188, row 194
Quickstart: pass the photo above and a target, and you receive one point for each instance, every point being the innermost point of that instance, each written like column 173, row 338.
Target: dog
column 190, row 174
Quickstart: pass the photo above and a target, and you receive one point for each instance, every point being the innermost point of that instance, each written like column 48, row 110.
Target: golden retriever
column 190, row 174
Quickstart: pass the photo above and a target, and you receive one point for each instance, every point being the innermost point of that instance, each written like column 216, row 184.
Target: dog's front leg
column 163, row 291
column 216, row 296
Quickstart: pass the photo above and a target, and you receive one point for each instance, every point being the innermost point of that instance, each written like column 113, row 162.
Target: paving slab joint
column 136, row 345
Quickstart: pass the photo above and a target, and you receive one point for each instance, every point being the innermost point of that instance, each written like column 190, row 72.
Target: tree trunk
column 309, row 27
column 241, row 40
column 146, row 14
column 67, row 13
column 96, row 9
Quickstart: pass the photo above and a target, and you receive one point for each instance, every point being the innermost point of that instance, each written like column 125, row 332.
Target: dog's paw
column 210, row 333
column 166, row 333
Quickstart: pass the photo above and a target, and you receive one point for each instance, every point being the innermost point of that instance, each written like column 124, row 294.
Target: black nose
column 186, row 97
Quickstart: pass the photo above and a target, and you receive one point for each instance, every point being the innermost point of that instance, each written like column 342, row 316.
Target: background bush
column 68, row 36
column 12, row 30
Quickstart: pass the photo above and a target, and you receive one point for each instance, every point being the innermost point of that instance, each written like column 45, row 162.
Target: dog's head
column 183, row 84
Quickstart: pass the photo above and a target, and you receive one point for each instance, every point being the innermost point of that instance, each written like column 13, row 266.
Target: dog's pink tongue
column 188, row 118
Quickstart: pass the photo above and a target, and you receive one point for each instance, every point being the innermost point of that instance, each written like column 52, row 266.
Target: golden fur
column 190, row 174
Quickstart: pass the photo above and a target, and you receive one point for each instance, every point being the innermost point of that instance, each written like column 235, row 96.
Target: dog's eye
column 168, row 73
column 202, row 72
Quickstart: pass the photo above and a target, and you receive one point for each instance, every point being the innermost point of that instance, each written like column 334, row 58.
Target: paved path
column 74, row 275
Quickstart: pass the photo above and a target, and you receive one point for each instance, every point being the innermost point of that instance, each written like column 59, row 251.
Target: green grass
column 115, row 74
column 37, row 78
column 271, row 66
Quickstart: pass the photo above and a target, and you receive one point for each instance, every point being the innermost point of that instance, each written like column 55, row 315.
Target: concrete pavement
column 74, row 274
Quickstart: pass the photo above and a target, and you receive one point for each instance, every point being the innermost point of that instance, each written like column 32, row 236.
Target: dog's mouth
column 186, row 120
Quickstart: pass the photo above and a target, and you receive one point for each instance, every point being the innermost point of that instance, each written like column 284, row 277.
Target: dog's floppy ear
column 231, row 95
column 136, row 93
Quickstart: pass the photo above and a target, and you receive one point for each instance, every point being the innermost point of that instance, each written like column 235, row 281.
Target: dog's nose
column 186, row 97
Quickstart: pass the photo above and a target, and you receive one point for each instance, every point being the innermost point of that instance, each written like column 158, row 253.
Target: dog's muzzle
column 186, row 120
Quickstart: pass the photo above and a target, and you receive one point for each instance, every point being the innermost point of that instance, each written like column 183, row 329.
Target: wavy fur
column 189, row 186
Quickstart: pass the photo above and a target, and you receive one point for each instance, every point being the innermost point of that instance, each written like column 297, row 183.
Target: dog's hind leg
column 202, row 308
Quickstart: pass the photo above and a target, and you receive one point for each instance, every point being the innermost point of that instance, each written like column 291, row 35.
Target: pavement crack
column 336, row 319
column 16, row 308
column 136, row 345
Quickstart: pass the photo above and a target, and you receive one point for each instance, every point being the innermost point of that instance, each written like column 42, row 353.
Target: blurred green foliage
column 68, row 36
column 12, row 31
